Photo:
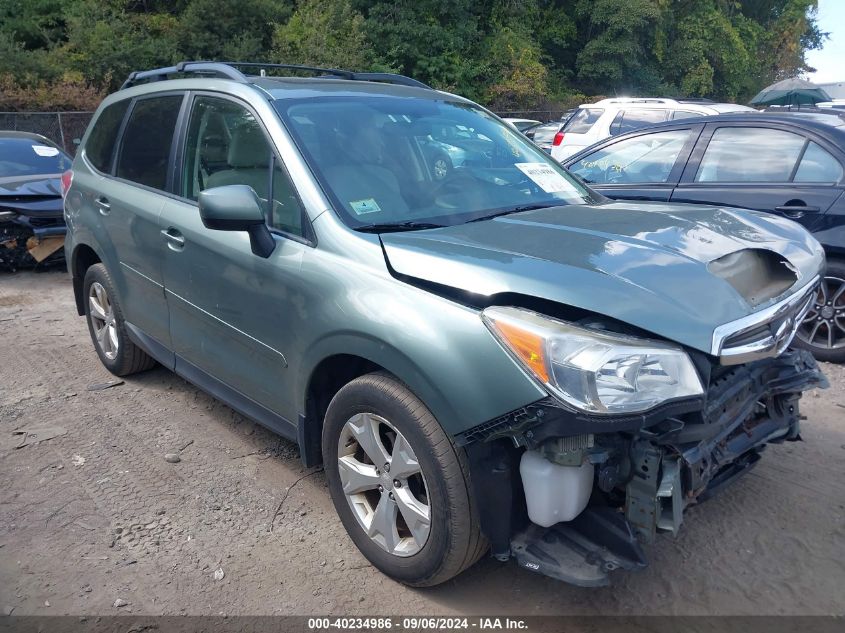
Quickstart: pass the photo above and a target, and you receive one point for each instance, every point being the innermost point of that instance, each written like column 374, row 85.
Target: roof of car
column 667, row 103
column 281, row 80
column 824, row 123
column 305, row 87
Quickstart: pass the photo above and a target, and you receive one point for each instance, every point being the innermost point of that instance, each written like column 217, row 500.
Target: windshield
column 416, row 162
column 28, row 157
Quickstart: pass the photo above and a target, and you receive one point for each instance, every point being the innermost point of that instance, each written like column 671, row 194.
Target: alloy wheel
column 384, row 484
column 441, row 168
column 824, row 325
column 102, row 319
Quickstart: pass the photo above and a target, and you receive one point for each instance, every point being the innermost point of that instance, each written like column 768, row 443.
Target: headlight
column 597, row 372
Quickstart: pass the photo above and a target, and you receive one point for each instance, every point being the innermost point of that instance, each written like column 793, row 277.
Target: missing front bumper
column 646, row 476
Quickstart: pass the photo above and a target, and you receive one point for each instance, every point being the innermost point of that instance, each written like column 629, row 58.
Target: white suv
column 609, row 117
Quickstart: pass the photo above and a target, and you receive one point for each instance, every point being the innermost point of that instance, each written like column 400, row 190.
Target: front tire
column 107, row 326
column 823, row 330
column 399, row 484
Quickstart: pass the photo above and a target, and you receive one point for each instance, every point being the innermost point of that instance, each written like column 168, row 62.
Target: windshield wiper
column 519, row 209
column 392, row 227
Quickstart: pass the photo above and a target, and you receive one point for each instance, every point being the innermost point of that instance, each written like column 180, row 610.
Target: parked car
column 543, row 134
column 610, row 117
column 501, row 360
column 32, row 228
column 789, row 164
column 447, row 145
column 520, row 124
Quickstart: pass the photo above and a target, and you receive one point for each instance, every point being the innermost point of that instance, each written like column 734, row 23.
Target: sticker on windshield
column 45, row 150
column 544, row 176
column 362, row 207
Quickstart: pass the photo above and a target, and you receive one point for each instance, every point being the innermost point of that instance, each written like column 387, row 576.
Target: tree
column 509, row 53
column 324, row 33
column 617, row 53
column 226, row 30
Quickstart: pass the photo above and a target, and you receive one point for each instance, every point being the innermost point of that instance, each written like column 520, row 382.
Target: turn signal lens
column 527, row 346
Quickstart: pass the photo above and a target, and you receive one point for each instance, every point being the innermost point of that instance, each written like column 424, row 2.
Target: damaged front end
column 629, row 477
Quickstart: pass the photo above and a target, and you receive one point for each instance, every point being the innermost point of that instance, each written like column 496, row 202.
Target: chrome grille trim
column 782, row 319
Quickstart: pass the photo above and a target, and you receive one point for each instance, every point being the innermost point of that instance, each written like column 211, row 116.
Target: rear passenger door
column 234, row 316
column 129, row 204
column 764, row 167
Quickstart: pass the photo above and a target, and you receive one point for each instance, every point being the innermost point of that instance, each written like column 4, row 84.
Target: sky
column 829, row 62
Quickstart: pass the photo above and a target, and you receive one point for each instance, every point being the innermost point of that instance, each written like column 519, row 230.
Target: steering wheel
column 458, row 190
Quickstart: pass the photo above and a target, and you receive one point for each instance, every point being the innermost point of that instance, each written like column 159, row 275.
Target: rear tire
column 422, row 556
column 823, row 330
column 107, row 326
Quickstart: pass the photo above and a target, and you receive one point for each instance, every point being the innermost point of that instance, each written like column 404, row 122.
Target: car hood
column 36, row 194
column 651, row 265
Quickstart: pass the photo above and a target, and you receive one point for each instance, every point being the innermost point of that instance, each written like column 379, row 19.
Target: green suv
column 493, row 357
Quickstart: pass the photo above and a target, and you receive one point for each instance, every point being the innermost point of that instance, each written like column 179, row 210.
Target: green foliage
column 105, row 43
column 227, row 30
column 324, row 33
column 510, row 54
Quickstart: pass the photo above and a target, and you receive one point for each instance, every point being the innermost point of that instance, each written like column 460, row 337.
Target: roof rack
column 229, row 70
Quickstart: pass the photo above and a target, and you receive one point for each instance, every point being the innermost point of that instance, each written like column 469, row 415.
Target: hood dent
column 644, row 264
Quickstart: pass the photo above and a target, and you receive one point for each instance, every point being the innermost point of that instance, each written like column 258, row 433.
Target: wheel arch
column 83, row 257
column 336, row 362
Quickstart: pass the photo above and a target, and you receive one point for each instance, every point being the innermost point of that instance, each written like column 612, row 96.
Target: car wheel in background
column 400, row 486
column 823, row 329
column 441, row 166
column 107, row 326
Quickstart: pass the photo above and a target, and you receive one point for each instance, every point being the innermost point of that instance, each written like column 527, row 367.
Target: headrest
column 248, row 147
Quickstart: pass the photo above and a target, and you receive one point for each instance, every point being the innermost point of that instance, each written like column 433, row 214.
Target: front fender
column 453, row 364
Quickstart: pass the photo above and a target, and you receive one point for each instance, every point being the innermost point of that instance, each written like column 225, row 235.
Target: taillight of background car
column 558, row 138
column 67, row 178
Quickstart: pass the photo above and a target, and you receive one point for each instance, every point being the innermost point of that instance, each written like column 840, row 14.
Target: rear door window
column 145, row 147
column 748, row 154
column 818, row 166
column 583, row 120
column 629, row 120
column 647, row 158
column 99, row 148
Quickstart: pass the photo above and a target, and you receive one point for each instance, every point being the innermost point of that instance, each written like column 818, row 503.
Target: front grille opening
column 756, row 274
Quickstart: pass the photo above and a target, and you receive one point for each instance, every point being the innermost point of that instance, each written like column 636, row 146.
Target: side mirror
column 237, row 208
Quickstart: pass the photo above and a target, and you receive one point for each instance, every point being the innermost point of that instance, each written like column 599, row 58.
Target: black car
column 32, row 227
column 790, row 164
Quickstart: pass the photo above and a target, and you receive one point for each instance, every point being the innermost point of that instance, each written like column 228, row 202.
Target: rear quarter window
column 147, row 138
column 583, row 120
column 100, row 146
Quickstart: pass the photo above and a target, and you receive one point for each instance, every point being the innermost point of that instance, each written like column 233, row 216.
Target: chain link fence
column 63, row 128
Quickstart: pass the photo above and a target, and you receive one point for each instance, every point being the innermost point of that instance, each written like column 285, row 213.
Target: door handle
column 795, row 211
column 103, row 205
column 175, row 240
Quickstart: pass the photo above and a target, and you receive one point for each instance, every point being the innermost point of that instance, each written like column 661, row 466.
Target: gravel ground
column 237, row 526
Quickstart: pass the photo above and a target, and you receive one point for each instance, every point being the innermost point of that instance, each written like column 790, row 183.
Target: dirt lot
column 98, row 515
